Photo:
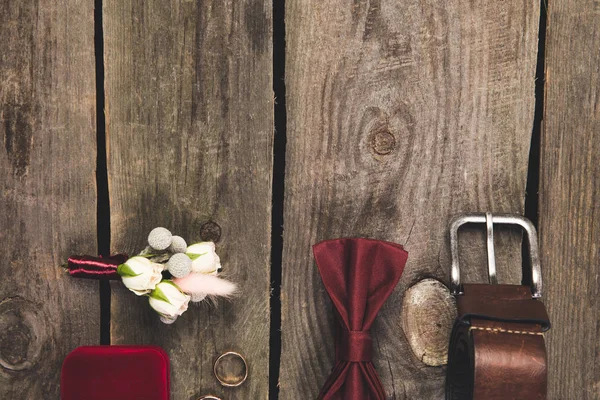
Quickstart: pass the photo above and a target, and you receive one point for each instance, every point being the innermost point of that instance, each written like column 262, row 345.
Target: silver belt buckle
column 489, row 220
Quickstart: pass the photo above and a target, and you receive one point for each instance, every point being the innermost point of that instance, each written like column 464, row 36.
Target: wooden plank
column 47, row 196
column 190, row 130
column 569, row 197
column 400, row 115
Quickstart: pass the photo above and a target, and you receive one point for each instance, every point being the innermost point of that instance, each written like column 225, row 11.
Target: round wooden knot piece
column 231, row 369
column 210, row 232
column 428, row 312
column 383, row 142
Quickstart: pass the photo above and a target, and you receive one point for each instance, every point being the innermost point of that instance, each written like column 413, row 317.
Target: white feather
column 197, row 283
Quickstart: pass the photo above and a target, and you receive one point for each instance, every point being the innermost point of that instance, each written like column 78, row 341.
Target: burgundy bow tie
column 359, row 275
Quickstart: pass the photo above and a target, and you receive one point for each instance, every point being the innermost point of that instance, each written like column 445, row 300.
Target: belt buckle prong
column 489, row 220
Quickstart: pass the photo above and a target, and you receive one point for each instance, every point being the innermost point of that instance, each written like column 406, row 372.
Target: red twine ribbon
column 359, row 275
column 91, row 267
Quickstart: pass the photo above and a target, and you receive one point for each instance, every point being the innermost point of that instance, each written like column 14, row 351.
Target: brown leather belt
column 497, row 349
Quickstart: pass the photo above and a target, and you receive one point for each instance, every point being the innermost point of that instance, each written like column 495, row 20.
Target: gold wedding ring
column 230, row 379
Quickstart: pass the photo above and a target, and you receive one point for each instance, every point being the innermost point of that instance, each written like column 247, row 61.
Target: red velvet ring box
column 115, row 373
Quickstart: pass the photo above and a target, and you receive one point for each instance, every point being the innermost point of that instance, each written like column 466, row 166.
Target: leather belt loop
column 498, row 354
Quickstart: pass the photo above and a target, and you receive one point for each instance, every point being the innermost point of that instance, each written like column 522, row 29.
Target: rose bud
column 168, row 300
column 204, row 258
column 140, row 275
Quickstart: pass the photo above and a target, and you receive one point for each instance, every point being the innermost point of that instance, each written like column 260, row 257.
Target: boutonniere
column 168, row 271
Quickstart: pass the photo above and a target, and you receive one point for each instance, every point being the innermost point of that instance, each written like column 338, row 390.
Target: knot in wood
column 383, row 142
column 21, row 334
column 14, row 342
column 210, row 232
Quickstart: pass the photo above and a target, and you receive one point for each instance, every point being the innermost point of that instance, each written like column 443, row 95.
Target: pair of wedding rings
column 224, row 380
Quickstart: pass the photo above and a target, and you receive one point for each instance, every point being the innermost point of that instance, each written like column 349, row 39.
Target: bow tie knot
column 355, row 346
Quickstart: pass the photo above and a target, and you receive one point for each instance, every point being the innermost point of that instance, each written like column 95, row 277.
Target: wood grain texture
column 569, row 198
column 400, row 115
column 190, row 130
column 47, row 195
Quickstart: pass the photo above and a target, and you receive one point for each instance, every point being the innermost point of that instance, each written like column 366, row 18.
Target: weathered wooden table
column 372, row 118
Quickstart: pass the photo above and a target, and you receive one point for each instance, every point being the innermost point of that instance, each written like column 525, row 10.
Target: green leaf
column 193, row 256
column 125, row 271
column 159, row 295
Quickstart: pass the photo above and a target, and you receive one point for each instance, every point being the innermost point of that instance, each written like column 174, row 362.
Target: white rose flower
column 168, row 300
column 204, row 258
column 140, row 275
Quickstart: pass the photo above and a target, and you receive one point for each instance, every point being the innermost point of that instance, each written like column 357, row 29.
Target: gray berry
column 179, row 265
column 159, row 238
column 167, row 320
column 178, row 245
